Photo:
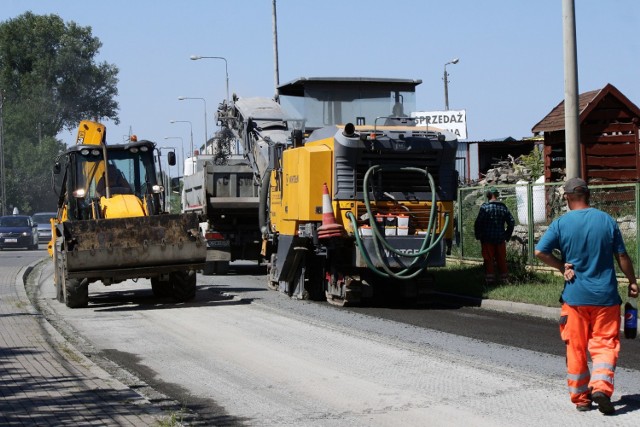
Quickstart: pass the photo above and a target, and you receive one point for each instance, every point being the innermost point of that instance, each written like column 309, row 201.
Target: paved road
column 44, row 381
column 511, row 324
column 242, row 355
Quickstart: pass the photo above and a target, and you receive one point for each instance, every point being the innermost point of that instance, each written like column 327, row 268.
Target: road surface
column 243, row 355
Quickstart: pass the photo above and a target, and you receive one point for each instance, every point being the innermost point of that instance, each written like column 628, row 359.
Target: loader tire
column 160, row 288
column 184, row 285
column 77, row 293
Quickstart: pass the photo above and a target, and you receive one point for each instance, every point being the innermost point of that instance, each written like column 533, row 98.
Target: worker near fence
column 494, row 227
column 588, row 240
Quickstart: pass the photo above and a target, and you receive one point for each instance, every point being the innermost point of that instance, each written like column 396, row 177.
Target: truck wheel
column 184, row 285
column 77, row 291
column 209, row 268
column 221, row 267
column 160, row 288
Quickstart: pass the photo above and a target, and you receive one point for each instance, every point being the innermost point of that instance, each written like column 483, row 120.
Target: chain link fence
column 534, row 207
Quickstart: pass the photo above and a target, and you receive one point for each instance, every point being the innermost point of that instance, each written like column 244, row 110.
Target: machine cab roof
column 327, row 101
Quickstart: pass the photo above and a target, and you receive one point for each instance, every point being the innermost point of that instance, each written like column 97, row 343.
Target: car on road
column 18, row 231
column 44, row 226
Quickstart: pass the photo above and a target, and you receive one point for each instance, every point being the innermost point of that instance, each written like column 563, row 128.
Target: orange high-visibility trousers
column 595, row 329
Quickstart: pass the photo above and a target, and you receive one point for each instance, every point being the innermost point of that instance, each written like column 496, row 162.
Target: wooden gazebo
column 609, row 138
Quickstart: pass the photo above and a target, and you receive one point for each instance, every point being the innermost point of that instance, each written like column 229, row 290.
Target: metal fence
column 535, row 206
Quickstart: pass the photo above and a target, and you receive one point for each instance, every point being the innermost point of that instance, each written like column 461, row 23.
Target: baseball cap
column 576, row 185
column 493, row 190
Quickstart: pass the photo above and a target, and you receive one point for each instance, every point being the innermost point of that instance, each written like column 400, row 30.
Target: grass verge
column 528, row 286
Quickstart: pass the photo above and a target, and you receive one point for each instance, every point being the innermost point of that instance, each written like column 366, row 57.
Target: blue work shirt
column 588, row 239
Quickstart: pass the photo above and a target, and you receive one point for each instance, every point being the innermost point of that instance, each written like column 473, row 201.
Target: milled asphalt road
column 46, row 382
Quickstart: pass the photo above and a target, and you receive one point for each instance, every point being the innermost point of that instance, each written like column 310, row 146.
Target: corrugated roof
column 554, row 121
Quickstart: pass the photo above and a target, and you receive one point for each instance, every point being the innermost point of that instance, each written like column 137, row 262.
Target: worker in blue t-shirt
column 588, row 240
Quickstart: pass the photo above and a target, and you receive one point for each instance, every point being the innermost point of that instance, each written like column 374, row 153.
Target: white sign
column 454, row 121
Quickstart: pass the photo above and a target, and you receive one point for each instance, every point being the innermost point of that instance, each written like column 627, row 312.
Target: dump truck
column 355, row 200
column 223, row 188
column 222, row 193
column 112, row 222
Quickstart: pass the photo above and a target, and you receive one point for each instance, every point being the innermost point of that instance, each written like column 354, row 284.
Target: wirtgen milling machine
column 362, row 204
column 112, row 224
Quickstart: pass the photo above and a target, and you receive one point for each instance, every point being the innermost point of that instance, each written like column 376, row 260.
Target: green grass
column 532, row 287
column 174, row 419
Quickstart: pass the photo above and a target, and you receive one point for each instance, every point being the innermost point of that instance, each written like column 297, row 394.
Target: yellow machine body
column 296, row 197
column 112, row 224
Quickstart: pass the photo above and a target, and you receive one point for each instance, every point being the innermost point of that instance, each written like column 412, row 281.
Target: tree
column 50, row 81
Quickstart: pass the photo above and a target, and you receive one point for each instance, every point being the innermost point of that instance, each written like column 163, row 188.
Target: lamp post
column 226, row 69
column 446, row 83
column 191, row 155
column 182, row 147
column 206, row 133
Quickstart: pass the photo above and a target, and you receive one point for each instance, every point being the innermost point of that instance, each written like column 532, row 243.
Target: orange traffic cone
column 329, row 227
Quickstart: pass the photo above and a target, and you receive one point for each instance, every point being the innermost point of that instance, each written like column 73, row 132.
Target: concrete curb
column 550, row 313
column 58, row 341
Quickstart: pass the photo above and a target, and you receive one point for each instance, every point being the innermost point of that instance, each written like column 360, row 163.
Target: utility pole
column 571, row 113
column 275, row 50
column 3, row 197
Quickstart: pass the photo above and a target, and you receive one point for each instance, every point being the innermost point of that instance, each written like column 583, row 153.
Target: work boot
column 604, row 403
column 489, row 279
column 584, row 408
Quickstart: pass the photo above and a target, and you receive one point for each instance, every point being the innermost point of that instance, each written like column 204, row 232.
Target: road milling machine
column 112, row 223
column 356, row 201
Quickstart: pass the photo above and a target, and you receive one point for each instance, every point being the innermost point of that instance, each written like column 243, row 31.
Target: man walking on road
column 588, row 240
column 493, row 227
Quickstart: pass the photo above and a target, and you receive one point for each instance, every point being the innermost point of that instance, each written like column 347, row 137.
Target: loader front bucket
column 122, row 248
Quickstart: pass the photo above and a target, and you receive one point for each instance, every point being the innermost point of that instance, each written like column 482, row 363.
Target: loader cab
column 95, row 173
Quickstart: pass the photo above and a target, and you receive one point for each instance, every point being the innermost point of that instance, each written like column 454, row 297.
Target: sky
column 509, row 75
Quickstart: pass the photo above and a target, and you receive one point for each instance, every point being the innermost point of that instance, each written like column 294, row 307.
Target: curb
column 66, row 349
column 532, row 310
column 550, row 313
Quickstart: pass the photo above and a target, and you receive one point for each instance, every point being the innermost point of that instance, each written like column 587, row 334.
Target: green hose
column 430, row 240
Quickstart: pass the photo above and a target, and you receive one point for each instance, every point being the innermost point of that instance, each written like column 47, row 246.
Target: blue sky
column 510, row 73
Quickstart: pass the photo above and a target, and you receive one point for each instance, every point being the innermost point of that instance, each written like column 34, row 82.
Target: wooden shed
column 609, row 138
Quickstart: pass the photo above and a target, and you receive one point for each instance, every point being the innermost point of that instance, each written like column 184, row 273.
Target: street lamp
column 206, row 133
column 446, row 83
column 191, row 155
column 226, row 69
column 182, row 148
